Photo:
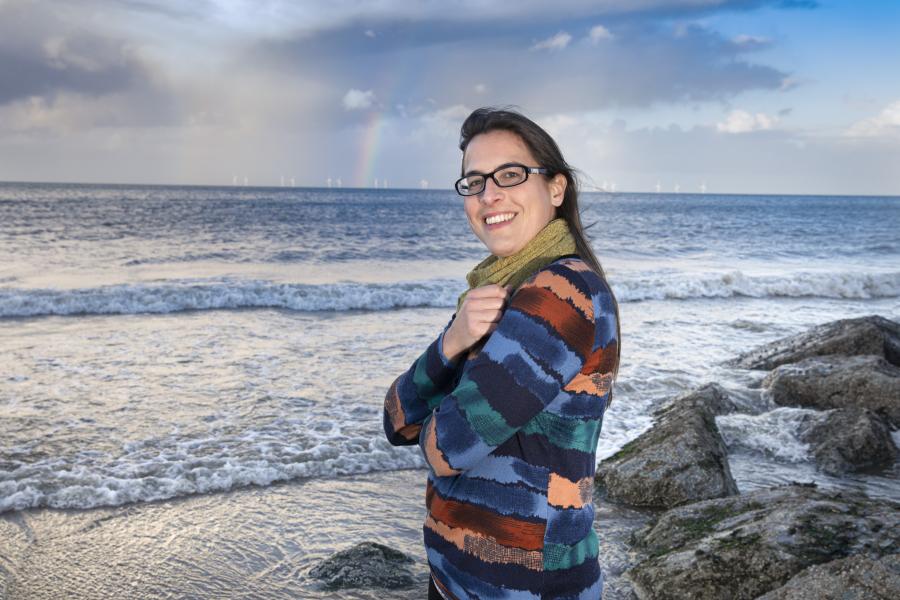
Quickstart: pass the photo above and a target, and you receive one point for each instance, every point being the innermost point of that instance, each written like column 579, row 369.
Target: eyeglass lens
column 506, row 177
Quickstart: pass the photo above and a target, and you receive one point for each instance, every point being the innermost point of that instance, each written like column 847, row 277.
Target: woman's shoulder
column 579, row 273
column 569, row 280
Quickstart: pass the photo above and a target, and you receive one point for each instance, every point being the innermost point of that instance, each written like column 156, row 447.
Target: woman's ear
column 557, row 189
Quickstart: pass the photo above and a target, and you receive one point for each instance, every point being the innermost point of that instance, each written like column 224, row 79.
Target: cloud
column 751, row 42
column 42, row 55
column 771, row 161
column 741, row 121
column 644, row 64
column 358, row 99
column 196, row 89
column 555, row 42
column 599, row 33
column 884, row 124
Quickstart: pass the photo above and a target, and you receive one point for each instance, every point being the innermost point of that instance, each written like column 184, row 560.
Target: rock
column 365, row 565
column 745, row 546
column 711, row 396
column 838, row 382
column 848, row 337
column 850, row 440
column 681, row 459
column 853, row 578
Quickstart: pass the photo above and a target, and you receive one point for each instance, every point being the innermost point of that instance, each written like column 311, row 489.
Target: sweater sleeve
column 541, row 343
column 416, row 392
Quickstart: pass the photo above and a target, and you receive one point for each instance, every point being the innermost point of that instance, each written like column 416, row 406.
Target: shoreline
column 252, row 542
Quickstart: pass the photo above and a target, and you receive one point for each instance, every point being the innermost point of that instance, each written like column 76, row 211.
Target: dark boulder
column 848, row 337
column 838, row 382
column 853, row 578
column 681, row 459
column 744, row 546
column 851, row 440
column 366, row 565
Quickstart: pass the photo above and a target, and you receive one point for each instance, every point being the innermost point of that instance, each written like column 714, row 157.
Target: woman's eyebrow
column 475, row 172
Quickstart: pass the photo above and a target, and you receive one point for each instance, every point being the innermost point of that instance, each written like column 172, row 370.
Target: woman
column 507, row 403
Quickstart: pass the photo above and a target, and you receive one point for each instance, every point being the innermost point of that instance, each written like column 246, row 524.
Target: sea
column 163, row 342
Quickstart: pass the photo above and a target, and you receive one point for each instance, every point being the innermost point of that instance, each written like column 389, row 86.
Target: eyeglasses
column 506, row 175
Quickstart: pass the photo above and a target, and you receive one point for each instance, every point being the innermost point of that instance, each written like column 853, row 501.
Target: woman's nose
column 491, row 191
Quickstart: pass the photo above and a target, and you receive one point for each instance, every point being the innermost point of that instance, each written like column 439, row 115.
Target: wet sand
column 255, row 542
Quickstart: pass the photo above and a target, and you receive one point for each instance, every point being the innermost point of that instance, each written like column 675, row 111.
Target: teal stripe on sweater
column 562, row 556
column 487, row 422
column 564, row 432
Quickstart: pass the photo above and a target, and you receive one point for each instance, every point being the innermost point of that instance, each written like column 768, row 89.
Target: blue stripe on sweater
column 568, row 525
column 509, row 469
column 492, row 583
column 517, row 501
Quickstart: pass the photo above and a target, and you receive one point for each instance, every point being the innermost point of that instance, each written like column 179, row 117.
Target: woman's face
column 524, row 209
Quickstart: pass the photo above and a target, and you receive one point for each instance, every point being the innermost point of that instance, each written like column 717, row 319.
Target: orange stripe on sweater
column 566, row 493
column 507, row 531
column 572, row 327
column 433, row 454
column 563, row 288
column 485, row 548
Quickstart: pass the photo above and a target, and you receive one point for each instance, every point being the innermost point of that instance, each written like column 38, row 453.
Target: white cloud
column 358, row 99
column 884, row 124
column 741, row 121
column 599, row 33
column 480, row 88
column 750, row 41
column 556, row 42
column 370, row 33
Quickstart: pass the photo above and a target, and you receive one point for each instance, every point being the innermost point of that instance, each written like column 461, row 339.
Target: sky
column 726, row 96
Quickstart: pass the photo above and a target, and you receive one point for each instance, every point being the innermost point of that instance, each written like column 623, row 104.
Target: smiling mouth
column 501, row 218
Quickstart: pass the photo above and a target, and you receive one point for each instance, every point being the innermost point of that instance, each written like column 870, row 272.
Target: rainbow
column 368, row 153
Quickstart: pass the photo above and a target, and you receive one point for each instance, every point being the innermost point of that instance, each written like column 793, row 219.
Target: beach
column 192, row 378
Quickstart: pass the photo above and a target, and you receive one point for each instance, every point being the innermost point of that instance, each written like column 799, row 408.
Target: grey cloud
column 644, row 64
column 772, row 161
column 42, row 56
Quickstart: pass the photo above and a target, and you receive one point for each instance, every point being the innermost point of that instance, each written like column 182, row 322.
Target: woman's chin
column 499, row 246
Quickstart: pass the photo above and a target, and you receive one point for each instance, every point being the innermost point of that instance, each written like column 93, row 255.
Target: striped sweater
column 510, row 436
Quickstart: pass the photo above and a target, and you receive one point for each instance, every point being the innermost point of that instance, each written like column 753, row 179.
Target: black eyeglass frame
column 528, row 171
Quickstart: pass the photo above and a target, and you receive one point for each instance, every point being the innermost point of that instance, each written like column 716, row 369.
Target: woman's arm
column 541, row 344
column 414, row 394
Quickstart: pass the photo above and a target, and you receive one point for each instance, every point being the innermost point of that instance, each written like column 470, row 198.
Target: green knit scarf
column 550, row 243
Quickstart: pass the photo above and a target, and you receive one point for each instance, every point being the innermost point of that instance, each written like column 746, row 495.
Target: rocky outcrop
column 851, row 440
column 848, row 578
column 681, row 459
column 744, row 546
column 838, row 382
column 848, row 337
column 365, row 565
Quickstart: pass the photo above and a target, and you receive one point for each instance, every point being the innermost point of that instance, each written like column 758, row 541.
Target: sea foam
column 201, row 294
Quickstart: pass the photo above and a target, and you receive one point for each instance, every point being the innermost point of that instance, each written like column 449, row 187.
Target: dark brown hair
column 547, row 153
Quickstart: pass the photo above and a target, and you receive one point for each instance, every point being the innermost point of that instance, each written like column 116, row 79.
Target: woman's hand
column 477, row 317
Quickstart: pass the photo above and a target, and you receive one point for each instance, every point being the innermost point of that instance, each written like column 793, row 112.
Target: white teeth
column 499, row 218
